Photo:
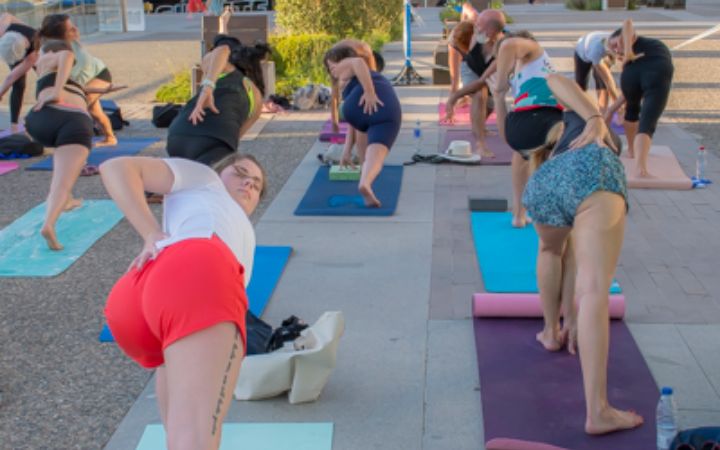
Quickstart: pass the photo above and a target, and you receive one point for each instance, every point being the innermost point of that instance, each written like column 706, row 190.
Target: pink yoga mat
column 503, row 152
column 462, row 116
column 526, row 305
column 6, row 167
column 517, row 444
column 663, row 166
column 326, row 133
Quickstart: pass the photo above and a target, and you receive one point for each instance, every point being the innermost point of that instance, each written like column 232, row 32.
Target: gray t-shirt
column 591, row 47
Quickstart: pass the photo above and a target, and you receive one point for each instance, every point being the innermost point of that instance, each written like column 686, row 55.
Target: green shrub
column 337, row 18
column 584, row 5
column 449, row 14
column 299, row 60
column 177, row 90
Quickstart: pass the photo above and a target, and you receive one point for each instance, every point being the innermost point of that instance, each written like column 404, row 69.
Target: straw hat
column 460, row 151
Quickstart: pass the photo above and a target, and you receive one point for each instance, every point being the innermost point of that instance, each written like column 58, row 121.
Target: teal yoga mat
column 507, row 255
column 24, row 253
column 268, row 267
column 257, row 436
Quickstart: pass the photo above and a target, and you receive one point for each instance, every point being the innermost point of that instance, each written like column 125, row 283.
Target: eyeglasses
column 256, row 182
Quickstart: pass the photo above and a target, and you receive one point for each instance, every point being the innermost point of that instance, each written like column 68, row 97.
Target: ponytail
column 247, row 60
column 541, row 154
column 54, row 27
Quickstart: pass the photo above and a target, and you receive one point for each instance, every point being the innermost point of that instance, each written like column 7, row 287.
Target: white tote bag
column 301, row 367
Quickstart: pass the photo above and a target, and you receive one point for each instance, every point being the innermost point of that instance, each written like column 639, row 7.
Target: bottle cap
column 666, row 390
column 702, row 148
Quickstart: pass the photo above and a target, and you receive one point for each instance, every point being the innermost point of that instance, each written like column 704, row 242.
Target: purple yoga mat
column 532, row 394
column 503, row 152
column 326, row 133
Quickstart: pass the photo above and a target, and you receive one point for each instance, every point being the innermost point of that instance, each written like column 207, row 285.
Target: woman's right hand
column 206, row 99
column 50, row 96
column 346, row 158
column 370, row 102
column 595, row 131
column 149, row 250
column 450, row 109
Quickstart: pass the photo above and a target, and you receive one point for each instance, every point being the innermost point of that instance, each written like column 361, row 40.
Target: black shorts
column 203, row 149
column 527, row 130
column 55, row 126
column 104, row 75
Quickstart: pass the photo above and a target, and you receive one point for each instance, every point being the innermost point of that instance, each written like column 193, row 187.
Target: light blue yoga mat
column 341, row 198
column 125, row 147
column 257, row 436
column 268, row 267
column 507, row 256
column 24, row 253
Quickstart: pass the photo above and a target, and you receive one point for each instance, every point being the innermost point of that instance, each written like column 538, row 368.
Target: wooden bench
column 268, row 70
column 247, row 28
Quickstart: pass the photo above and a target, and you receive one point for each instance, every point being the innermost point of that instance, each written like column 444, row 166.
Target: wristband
column 207, row 82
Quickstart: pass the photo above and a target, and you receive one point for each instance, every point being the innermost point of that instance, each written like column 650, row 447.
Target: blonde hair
column 541, row 154
column 229, row 160
column 13, row 46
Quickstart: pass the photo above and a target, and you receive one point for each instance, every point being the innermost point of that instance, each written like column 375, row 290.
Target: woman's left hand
column 369, row 101
column 206, row 100
column 595, row 131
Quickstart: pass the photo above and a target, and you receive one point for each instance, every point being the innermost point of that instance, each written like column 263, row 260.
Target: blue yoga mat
column 24, row 253
column 507, row 256
column 268, row 267
column 125, row 147
column 257, row 436
column 341, row 198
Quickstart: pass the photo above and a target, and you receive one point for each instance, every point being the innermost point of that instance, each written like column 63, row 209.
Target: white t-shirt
column 199, row 206
column 591, row 47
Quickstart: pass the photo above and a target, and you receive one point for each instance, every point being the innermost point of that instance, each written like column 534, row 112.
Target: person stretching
column 181, row 306
column 60, row 119
column 18, row 48
column 535, row 108
column 578, row 200
column 645, row 83
column 591, row 54
column 210, row 125
column 371, row 107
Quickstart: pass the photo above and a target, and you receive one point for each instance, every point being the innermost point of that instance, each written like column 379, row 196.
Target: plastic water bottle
column 666, row 417
column 700, row 165
column 417, row 135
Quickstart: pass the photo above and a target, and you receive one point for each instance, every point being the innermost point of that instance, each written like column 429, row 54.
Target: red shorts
column 191, row 285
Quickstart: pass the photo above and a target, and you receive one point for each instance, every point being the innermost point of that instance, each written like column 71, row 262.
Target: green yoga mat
column 257, row 436
column 507, row 256
column 24, row 253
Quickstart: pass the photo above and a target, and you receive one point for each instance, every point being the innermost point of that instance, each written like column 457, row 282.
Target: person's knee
column 590, row 284
column 632, row 112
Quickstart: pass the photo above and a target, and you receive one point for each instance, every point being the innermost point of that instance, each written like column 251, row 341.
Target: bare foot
column 490, row 132
column 49, row 234
column 107, row 142
column 73, row 203
column 611, row 419
column 520, row 221
column 369, row 196
column 630, row 154
column 552, row 340
column 643, row 173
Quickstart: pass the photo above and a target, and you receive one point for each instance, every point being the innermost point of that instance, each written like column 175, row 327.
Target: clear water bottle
column 417, row 135
column 700, row 165
column 666, row 416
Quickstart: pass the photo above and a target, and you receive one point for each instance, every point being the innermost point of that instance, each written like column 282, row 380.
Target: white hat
column 13, row 46
column 460, row 151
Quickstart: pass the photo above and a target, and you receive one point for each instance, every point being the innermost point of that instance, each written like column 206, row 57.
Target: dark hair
column 616, row 33
column 379, row 61
column 55, row 45
column 53, row 26
column 237, row 157
column 224, row 39
column 247, row 61
column 337, row 54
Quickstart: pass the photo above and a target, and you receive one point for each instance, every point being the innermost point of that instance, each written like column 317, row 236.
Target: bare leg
column 549, row 278
column 162, row 395
column 642, row 146
column 569, row 308
column 374, row 159
column 68, row 161
column 631, row 130
column 202, row 371
column 478, row 116
column 520, row 174
column 361, row 144
column 598, row 237
column 96, row 111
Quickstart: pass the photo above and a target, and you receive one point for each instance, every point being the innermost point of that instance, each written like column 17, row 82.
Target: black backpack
column 163, row 115
column 704, row 438
column 19, row 146
column 112, row 110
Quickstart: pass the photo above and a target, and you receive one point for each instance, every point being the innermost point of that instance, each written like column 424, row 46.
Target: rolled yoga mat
column 341, row 198
column 487, row 304
column 125, row 147
column 503, row 152
column 327, row 134
column 268, row 266
column 256, row 436
column 531, row 394
column 461, row 116
column 664, row 168
column 6, row 167
column 507, row 256
column 24, row 253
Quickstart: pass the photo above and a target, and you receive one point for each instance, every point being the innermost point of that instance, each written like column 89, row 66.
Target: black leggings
column 55, row 126
column 646, row 88
column 582, row 74
column 16, row 96
column 203, row 149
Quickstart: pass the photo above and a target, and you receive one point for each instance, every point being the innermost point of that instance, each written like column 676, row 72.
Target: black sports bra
column 48, row 80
